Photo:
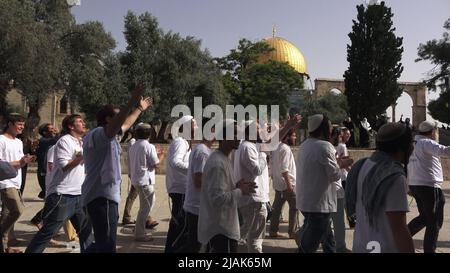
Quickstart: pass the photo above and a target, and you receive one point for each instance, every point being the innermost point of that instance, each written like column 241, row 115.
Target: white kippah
column 314, row 122
column 426, row 126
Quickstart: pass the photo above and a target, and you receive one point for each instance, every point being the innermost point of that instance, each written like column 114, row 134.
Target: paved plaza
column 161, row 212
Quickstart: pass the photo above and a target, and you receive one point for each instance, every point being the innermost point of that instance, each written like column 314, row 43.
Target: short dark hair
column 323, row 130
column 143, row 133
column 103, row 113
column 69, row 121
column 13, row 118
column 401, row 143
column 43, row 128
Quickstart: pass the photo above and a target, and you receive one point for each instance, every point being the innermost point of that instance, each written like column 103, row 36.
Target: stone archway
column 416, row 90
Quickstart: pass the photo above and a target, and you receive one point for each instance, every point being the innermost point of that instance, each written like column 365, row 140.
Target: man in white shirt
column 218, row 221
column 376, row 189
column 283, row 177
column 250, row 164
column 338, row 217
column 425, row 179
column 317, row 170
column 176, row 179
column 197, row 161
column 11, row 151
column 143, row 160
column 63, row 192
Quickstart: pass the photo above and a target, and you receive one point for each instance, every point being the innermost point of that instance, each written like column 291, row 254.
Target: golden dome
column 285, row 52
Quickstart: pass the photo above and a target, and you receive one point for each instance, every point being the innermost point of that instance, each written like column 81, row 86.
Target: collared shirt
column 317, row 170
column 424, row 167
column 66, row 182
column 219, row 200
column 197, row 161
column 282, row 161
column 142, row 160
column 11, row 150
column 250, row 165
column 102, row 164
column 177, row 166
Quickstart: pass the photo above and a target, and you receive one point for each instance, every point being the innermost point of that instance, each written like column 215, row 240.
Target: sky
column 319, row 28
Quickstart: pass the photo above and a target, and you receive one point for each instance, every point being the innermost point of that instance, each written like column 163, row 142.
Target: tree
column 249, row 82
column 374, row 56
column 334, row 106
column 438, row 53
column 93, row 72
column 174, row 69
column 30, row 49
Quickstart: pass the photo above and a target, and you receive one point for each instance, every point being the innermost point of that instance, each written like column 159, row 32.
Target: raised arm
column 115, row 125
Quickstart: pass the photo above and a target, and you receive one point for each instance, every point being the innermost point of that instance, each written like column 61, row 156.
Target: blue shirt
column 102, row 165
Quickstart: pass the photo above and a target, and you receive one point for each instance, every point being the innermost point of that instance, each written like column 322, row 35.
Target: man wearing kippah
column 425, row 179
column 317, row 172
column 376, row 190
column 176, row 180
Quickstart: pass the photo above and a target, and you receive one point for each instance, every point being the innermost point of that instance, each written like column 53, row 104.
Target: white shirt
column 177, row 166
column 341, row 151
column 142, row 158
column 197, row 161
column 424, row 168
column 317, row 170
column 50, row 172
column 366, row 236
column 66, row 182
column 11, row 150
column 251, row 165
column 219, row 199
column 282, row 161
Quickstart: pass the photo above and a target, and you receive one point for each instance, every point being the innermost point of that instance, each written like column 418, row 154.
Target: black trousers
column 430, row 203
column 176, row 235
column 222, row 244
column 192, row 244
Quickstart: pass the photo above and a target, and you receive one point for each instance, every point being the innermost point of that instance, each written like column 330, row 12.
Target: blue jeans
column 316, row 230
column 104, row 215
column 58, row 209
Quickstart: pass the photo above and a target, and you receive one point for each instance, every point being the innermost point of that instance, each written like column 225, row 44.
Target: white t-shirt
column 366, row 237
column 66, row 182
column 197, row 161
column 282, row 161
column 317, row 170
column 177, row 166
column 251, row 165
column 425, row 168
column 219, row 200
column 142, row 158
column 50, row 172
column 11, row 150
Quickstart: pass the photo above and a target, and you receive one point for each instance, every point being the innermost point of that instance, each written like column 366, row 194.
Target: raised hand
column 145, row 103
column 294, row 121
column 136, row 95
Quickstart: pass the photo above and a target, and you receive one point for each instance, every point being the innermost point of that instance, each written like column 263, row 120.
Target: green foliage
column 374, row 57
column 174, row 69
column 334, row 106
column 440, row 108
column 248, row 82
column 30, row 49
column 438, row 53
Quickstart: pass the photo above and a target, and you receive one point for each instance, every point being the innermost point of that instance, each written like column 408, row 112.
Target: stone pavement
column 161, row 212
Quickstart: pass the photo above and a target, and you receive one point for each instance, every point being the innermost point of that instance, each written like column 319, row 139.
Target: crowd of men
column 220, row 198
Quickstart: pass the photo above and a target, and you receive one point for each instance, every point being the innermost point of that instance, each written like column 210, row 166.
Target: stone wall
column 355, row 154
